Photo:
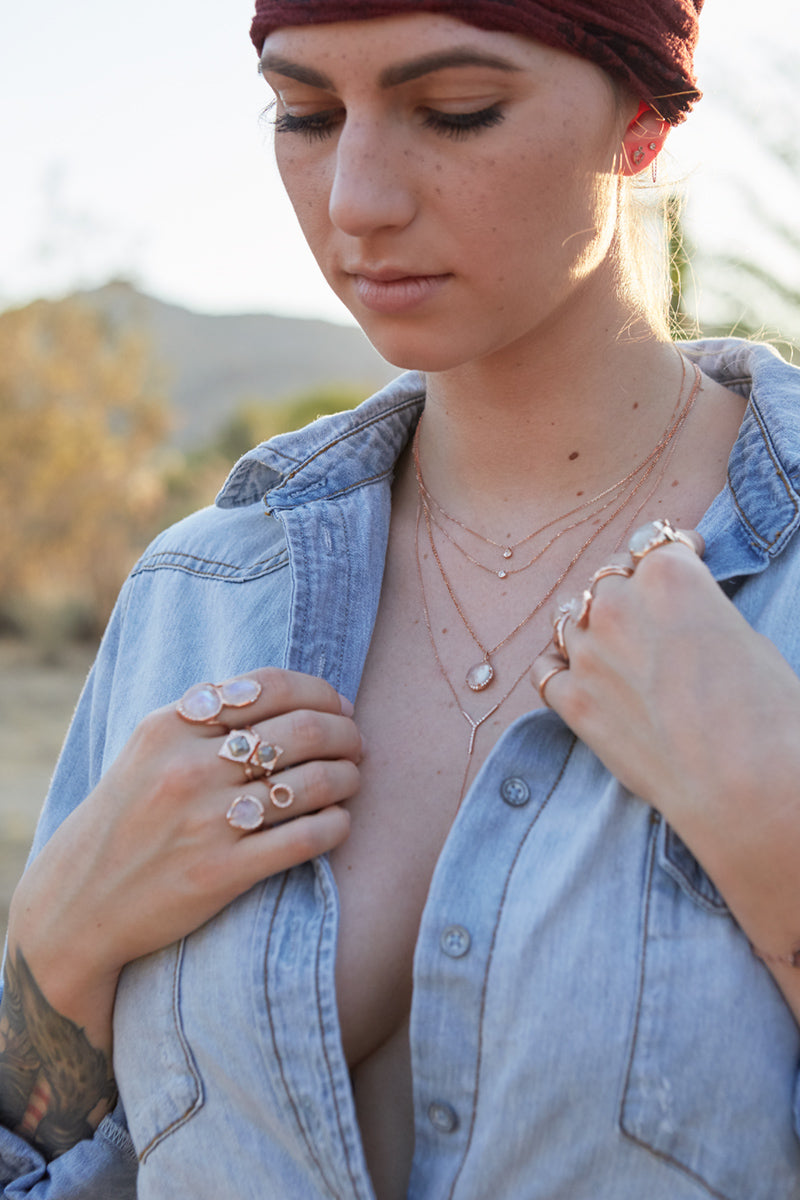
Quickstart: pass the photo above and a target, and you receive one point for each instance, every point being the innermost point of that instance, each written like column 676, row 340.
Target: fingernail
column 347, row 707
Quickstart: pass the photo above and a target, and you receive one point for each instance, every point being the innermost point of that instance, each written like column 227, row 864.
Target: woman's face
column 457, row 187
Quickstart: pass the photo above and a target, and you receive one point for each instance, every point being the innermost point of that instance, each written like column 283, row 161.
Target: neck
column 531, row 436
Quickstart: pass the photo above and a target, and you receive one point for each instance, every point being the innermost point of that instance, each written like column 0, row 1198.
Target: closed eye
column 456, row 125
column 313, row 127
column 462, row 124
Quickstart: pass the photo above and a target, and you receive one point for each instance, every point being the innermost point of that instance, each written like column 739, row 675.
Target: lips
column 393, row 290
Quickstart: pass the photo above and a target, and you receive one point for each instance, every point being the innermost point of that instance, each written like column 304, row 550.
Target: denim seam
column 320, row 1018
column 500, row 907
column 410, row 402
column 199, row 1099
column 256, row 570
column 276, row 1048
column 660, row 1154
column 781, row 474
column 345, row 491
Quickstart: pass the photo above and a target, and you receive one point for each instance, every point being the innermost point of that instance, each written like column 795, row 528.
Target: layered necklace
column 618, row 497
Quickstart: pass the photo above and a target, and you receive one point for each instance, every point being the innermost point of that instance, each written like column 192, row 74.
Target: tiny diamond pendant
column 480, row 676
column 507, row 553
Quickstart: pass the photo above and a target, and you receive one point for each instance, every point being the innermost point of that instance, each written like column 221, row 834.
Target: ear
column 643, row 140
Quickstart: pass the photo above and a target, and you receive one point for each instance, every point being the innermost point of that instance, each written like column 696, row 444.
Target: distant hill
column 213, row 363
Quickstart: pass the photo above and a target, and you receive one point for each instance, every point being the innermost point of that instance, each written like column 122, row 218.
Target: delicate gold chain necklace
column 474, row 724
column 481, row 674
column 438, row 513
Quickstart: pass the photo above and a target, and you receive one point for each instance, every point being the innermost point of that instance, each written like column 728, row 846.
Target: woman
column 450, row 943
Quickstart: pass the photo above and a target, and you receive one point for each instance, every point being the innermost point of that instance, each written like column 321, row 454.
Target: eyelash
column 453, row 125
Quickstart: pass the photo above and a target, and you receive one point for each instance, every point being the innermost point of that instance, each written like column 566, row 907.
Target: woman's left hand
column 698, row 714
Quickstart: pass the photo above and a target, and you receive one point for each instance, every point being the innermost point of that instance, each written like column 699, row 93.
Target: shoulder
column 236, row 544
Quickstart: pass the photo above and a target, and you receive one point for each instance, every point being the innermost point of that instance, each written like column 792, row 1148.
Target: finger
column 255, row 696
column 304, row 789
column 545, row 675
column 289, row 844
column 309, row 734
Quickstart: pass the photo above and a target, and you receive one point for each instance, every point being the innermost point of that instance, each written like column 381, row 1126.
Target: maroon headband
column 649, row 46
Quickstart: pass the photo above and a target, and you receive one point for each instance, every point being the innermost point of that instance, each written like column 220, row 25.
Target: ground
column 37, row 697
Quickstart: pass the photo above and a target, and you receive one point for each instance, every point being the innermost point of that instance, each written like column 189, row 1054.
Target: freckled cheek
column 306, row 188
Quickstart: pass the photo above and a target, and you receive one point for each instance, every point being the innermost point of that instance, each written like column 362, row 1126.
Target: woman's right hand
column 149, row 856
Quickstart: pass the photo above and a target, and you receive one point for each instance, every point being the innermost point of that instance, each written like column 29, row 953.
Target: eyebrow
column 392, row 76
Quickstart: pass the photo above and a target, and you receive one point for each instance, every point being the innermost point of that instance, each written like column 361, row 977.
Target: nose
column 372, row 187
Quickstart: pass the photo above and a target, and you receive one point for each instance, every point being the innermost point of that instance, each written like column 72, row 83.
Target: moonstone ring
column 246, row 814
column 202, row 703
column 655, row 534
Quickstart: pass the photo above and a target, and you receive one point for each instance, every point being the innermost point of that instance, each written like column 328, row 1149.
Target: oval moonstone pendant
column 480, row 676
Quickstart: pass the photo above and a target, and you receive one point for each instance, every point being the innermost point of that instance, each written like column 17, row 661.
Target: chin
column 418, row 350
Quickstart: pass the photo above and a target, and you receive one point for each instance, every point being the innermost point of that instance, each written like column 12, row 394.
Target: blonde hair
column 649, row 232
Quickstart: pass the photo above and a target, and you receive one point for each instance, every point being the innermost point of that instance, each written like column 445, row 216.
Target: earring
column 654, row 163
column 638, row 155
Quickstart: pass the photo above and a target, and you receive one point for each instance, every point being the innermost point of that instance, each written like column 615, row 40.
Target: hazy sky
column 131, row 144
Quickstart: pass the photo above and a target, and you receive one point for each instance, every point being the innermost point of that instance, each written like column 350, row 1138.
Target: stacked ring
column 611, row 569
column 246, row 813
column 244, row 746
column 564, row 614
column 202, row 703
column 543, row 682
column 653, row 535
column 281, row 795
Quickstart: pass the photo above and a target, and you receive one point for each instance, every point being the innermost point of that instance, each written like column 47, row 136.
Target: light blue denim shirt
column 588, row 1021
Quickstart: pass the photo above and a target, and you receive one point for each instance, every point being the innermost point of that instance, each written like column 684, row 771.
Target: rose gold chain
column 434, row 507
column 653, row 462
column 473, row 723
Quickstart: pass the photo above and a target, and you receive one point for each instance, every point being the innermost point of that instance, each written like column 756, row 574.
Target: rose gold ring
column 239, row 746
column 653, row 535
column 203, row 702
column 564, row 615
column 281, row 795
column 579, row 608
column 246, row 813
column 611, row 569
column 542, row 684
column 264, row 759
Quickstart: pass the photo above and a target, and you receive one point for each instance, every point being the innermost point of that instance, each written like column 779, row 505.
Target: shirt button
column 442, row 1117
column 515, row 791
column 455, row 941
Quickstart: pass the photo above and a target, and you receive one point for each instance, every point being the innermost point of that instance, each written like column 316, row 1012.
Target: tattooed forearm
column 54, row 1086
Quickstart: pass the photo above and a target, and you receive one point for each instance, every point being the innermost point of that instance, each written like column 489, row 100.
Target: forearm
column 55, row 1087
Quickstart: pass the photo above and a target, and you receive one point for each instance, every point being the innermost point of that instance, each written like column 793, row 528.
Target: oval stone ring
column 202, row 703
column 655, row 534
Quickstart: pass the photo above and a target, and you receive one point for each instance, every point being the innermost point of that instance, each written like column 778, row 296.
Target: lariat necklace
column 481, row 674
column 474, row 723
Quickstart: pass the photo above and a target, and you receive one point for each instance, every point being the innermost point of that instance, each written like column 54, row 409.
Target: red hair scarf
column 647, row 46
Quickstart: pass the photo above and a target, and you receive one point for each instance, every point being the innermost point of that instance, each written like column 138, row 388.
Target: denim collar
column 749, row 522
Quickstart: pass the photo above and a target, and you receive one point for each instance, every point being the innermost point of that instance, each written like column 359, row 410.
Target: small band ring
column 558, row 633
column 543, row 682
column 281, row 795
